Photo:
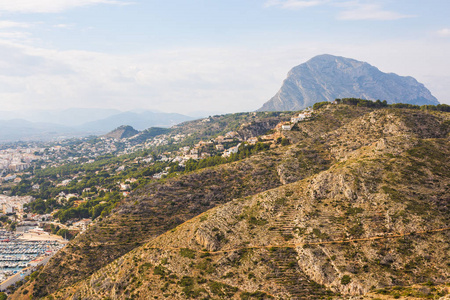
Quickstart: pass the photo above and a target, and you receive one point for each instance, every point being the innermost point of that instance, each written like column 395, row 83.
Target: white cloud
column 444, row 32
column 16, row 35
column 355, row 10
column 11, row 24
column 182, row 80
column 50, row 6
column 63, row 26
column 15, row 31
column 167, row 80
column 294, row 4
column 350, row 10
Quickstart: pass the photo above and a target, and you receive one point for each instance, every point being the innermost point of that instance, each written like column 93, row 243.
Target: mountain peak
column 327, row 77
column 122, row 132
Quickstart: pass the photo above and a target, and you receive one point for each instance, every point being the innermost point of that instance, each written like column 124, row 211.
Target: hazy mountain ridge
column 375, row 155
column 19, row 129
column 139, row 121
column 327, row 77
column 67, row 117
column 68, row 123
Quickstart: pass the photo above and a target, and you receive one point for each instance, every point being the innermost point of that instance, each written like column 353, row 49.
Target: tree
column 320, row 104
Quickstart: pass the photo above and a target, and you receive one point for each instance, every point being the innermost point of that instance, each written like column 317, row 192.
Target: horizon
column 204, row 55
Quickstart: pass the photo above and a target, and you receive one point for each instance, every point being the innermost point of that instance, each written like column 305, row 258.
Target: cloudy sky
column 211, row 55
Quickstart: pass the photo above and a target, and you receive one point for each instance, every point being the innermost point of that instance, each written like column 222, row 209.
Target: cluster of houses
column 229, row 143
column 17, row 160
column 304, row 115
column 225, row 145
column 10, row 205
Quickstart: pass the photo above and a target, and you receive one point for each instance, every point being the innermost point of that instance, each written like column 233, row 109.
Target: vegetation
column 319, row 105
column 185, row 252
column 363, row 196
column 363, row 102
column 346, row 280
column 382, row 104
column 244, row 151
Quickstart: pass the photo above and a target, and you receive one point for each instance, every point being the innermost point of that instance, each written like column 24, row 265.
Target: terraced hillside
column 364, row 199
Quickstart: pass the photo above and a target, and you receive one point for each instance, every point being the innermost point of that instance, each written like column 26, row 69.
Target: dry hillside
column 357, row 203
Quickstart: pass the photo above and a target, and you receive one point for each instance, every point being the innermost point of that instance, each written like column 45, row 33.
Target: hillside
column 246, row 124
column 147, row 213
column 340, row 210
column 122, row 132
column 327, row 77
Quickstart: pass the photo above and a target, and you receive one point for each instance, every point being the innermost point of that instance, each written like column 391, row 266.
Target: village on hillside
column 21, row 211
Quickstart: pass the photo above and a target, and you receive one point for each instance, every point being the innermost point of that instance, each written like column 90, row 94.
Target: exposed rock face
column 327, row 77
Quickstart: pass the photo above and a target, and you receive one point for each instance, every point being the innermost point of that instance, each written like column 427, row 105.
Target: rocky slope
column 327, row 77
column 162, row 205
column 354, row 204
column 247, row 124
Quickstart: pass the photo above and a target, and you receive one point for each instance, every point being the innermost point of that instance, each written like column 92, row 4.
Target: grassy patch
column 186, row 252
column 222, row 289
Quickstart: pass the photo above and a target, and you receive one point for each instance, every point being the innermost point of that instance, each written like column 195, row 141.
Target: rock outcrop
column 327, row 77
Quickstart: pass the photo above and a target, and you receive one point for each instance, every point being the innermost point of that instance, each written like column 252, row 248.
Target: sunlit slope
column 376, row 219
column 389, row 175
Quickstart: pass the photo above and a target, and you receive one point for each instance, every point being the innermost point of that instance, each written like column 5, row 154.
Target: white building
column 231, row 150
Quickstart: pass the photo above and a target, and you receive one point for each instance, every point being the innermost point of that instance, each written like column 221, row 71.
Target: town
column 51, row 192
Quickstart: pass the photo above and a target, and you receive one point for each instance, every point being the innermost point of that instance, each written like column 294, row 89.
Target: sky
column 204, row 55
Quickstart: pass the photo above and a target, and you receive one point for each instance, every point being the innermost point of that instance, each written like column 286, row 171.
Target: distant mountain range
column 67, row 117
column 139, row 121
column 327, row 77
column 47, row 125
column 19, row 129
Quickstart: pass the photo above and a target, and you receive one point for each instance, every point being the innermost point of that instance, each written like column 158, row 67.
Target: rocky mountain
column 357, row 204
column 328, row 77
column 122, row 132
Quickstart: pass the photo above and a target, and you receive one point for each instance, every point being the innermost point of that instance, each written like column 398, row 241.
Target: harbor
column 23, row 251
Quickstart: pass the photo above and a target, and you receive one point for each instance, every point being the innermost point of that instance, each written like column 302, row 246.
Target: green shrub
column 356, row 230
column 205, row 266
column 346, row 280
column 186, row 281
column 257, row 221
column 159, row 270
column 255, row 295
column 186, row 252
column 320, row 104
column 222, row 289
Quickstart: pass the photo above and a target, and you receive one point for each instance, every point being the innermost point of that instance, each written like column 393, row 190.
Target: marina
column 17, row 253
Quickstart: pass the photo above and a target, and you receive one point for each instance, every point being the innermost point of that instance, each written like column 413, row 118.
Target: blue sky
column 212, row 55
